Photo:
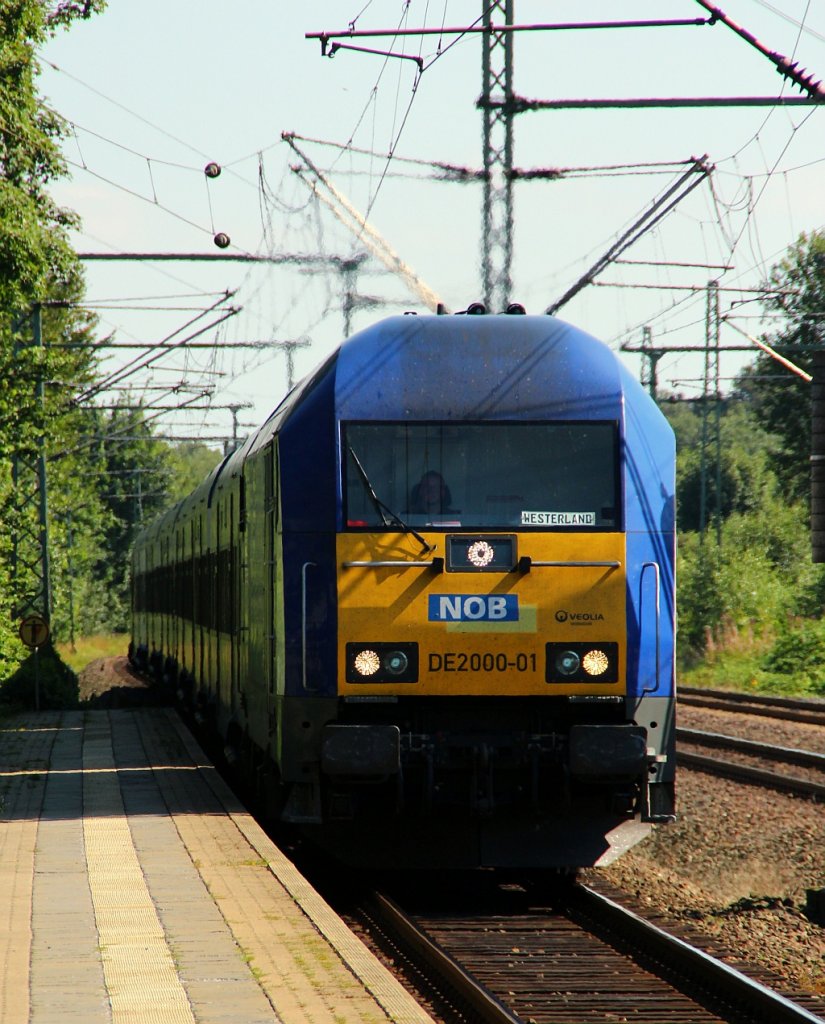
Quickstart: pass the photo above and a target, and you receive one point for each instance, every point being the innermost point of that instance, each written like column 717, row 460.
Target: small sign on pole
column 34, row 631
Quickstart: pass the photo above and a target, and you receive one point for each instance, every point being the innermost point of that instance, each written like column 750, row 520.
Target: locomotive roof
column 477, row 367
column 464, row 367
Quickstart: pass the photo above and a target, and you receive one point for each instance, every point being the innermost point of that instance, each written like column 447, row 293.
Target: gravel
column 738, row 862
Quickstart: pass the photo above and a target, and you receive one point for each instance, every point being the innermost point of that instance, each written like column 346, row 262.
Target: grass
column 90, row 648
column 737, row 663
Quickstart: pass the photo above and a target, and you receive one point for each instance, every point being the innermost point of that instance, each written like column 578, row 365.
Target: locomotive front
column 504, row 560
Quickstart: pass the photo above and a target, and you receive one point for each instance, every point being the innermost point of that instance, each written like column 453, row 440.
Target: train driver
column 431, row 495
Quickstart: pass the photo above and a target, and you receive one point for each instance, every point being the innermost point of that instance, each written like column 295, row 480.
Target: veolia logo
column 473, row 608
column 578, row 618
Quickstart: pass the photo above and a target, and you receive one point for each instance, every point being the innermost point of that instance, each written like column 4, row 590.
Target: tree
column 758, row 578
column 37, row 267
column 190, row 463
column 781, row 400
column 34, row 249
column 746, row 474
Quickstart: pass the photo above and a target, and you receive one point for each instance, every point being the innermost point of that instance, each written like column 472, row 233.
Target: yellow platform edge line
column 138, row 967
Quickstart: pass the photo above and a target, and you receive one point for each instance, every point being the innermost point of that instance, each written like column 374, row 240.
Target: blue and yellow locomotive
column 430, row 602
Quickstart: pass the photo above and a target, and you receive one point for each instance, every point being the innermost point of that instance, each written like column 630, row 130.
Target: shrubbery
column 750, row 604
column 800, row 652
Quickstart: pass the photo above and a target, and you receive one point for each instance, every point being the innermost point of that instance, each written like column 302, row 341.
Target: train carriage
column 434, row 598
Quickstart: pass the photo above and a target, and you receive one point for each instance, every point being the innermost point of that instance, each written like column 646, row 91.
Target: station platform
column 135, row 888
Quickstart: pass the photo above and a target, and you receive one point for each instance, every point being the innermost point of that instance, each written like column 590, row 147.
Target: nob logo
column 473, row 608
column 578, row 618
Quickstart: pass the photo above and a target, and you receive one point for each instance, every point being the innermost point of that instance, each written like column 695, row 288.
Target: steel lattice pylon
column 711, row 434
column 496, row 104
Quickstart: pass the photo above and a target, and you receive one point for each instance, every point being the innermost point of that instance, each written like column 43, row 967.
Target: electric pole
column 650, row 362
column 711, row 397
column 289, row 349
column 498, row 111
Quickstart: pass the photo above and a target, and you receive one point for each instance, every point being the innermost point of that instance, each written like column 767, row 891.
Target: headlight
column 367, row 663
column 382, row 663
column 595, row 662
column 582, row 663
column 567, row 663
column 396, row 663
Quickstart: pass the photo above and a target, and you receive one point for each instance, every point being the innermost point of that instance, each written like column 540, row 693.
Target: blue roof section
column 476, row 367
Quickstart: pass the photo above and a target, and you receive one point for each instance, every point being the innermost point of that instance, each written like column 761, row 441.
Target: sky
column 156, row 91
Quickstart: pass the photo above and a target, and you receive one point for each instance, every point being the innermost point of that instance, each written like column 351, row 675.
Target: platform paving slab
column 135, row 888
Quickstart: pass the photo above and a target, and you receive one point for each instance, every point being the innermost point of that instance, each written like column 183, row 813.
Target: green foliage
column 190, row 464
column 779, row 399
column 745, row 465
column 759, row 576
column 800, row 652
column 751, row 605
column 34, row 250
column 11, row 649
column 41, row 285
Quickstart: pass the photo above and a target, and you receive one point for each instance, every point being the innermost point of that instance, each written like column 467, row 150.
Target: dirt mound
column 113, row 683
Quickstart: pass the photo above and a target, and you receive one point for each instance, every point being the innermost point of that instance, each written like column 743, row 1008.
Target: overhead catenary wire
column 357, row 222
column 658, row 209
column 770, row 351
column 233, row 366
column 139, row 363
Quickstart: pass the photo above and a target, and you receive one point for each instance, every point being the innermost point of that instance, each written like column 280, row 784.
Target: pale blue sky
column 157, row 89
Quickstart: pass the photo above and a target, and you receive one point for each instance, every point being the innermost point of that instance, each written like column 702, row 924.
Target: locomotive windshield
column 549, row 476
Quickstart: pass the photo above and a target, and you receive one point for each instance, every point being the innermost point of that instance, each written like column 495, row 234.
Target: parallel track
column 573, row 957
column 753, row 761
column 790, row 709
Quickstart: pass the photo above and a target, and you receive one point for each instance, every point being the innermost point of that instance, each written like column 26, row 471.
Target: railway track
column 751, row 761
column 782, row 767
column 562, row 956
column 789, row 709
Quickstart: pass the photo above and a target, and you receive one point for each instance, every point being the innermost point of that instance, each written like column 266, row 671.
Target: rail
column 748, row 773
column 686, row 967
column 788, row 709
column 790, row 755
column 486, row 1008
column 746, row 993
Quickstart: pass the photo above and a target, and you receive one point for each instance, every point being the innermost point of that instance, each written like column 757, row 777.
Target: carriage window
column 547, row 476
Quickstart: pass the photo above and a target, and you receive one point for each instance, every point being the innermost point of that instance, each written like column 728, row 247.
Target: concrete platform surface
column 134, row 888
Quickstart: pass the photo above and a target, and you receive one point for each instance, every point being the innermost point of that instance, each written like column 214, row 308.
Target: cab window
column 547, row 476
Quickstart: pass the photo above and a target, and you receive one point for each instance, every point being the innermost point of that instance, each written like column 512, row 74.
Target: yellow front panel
column 471, row 648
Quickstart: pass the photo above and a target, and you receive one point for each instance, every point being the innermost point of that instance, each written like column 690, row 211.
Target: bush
column 753, row 582
column 800, row 652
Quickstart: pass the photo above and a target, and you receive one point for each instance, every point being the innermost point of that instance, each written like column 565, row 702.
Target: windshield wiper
column 387, row 515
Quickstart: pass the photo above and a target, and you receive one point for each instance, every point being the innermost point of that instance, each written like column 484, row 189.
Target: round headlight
column 567, row 663
column 595, row 663
column 367, row 663
column 396, row 663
